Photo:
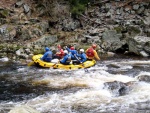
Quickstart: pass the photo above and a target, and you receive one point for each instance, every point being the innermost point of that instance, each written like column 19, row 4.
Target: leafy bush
column 78, row 6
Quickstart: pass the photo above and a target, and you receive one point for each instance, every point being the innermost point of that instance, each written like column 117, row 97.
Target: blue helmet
column 47, row 49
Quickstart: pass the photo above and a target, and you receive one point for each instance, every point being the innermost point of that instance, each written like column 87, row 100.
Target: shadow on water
column 16, row 90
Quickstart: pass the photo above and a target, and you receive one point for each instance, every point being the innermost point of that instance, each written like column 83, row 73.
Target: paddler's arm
column 96, row 55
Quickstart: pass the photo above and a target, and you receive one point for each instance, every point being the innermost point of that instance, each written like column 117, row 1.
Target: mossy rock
column 133, row 30
column 39, row 51
column 85, row 47
column 118, row 29
column 4, row 13
column 1, row 47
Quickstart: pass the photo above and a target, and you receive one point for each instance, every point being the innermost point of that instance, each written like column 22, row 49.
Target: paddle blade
column 31, row 63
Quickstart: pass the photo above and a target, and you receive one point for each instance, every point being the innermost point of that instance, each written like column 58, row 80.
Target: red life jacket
column 61, row 53
column 90, row 52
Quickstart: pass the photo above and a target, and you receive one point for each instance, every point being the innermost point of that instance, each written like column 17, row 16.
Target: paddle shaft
column 31, row 63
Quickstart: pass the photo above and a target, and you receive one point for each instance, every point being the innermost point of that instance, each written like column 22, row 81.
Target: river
column 78, row 91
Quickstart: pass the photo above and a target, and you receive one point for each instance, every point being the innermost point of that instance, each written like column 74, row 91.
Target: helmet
column 72, row 48
column 59, row 46
column 47, row 49
column 81, row 50
column 65, row 51
column 94, row 46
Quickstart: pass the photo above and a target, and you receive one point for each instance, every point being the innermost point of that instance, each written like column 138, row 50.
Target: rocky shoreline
column 116, row 26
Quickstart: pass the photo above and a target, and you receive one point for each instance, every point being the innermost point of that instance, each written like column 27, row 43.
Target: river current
column 77, row 91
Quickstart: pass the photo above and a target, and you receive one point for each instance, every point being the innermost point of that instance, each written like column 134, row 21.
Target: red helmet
column 59, row 46
column 72, row 48
column 94, row 46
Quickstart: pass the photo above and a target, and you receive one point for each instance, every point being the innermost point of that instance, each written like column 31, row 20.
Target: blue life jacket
column 82, row 57
column 47, row 55
column 66, row 58
column 73, row 53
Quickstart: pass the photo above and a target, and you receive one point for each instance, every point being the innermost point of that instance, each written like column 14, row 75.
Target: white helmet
column 65, row 51
column 81, row 50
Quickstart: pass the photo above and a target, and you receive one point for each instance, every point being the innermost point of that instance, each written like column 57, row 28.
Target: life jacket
column 49, row 55
column 90, row 52
column 69, row 57
column 60, row 53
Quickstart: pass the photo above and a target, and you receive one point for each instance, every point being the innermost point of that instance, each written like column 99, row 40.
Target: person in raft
column 59, row 54
column 91, row 53
column 47, row 55
column 66, row 59
column 73, row 52
column 81, row 57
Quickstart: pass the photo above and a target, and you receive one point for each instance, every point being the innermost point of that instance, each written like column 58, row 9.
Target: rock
column 117, row 88
column 127, row 8
column 70, row 25
column 12, row 34
column 2, row 29
column 111, row 40
column 110, row 54
column 26, row 8
column 23, row 109
column 27, row 51
column 136, row 7
column 4, row 59
column 23, row 56
column 132, row 12
column 147, row 20
column 144, row 54
column 43, row 26
column 19, row 52
column 14, row 19
column 146, row 12
column 145, row 78
column 45, row 40
column 94, row 32
column 137, row 44
column 19, row 3
column 118, row 11
column 34, row 20
column 140, row 10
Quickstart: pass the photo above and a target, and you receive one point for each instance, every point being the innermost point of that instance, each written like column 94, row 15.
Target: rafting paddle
column 31, row 63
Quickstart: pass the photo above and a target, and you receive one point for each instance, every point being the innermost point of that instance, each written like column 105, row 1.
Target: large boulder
column 45, row 40
column 139, row 45
column 111, row 40
column 117, row 88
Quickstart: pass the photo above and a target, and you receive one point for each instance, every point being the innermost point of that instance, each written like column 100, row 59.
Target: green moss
column 118, row 29
column 4, row 13
column 1, row 47
column 133, row 30
column 9, row 29
column 77, row 6
column 39, row 51
column 85, row 47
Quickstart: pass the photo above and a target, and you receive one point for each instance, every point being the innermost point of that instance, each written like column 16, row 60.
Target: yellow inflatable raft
column 39, row 62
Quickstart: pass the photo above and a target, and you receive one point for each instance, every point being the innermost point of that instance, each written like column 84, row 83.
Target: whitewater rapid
column 84, row 91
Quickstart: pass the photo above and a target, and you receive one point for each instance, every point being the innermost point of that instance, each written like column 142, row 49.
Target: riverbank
column 115, row 26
